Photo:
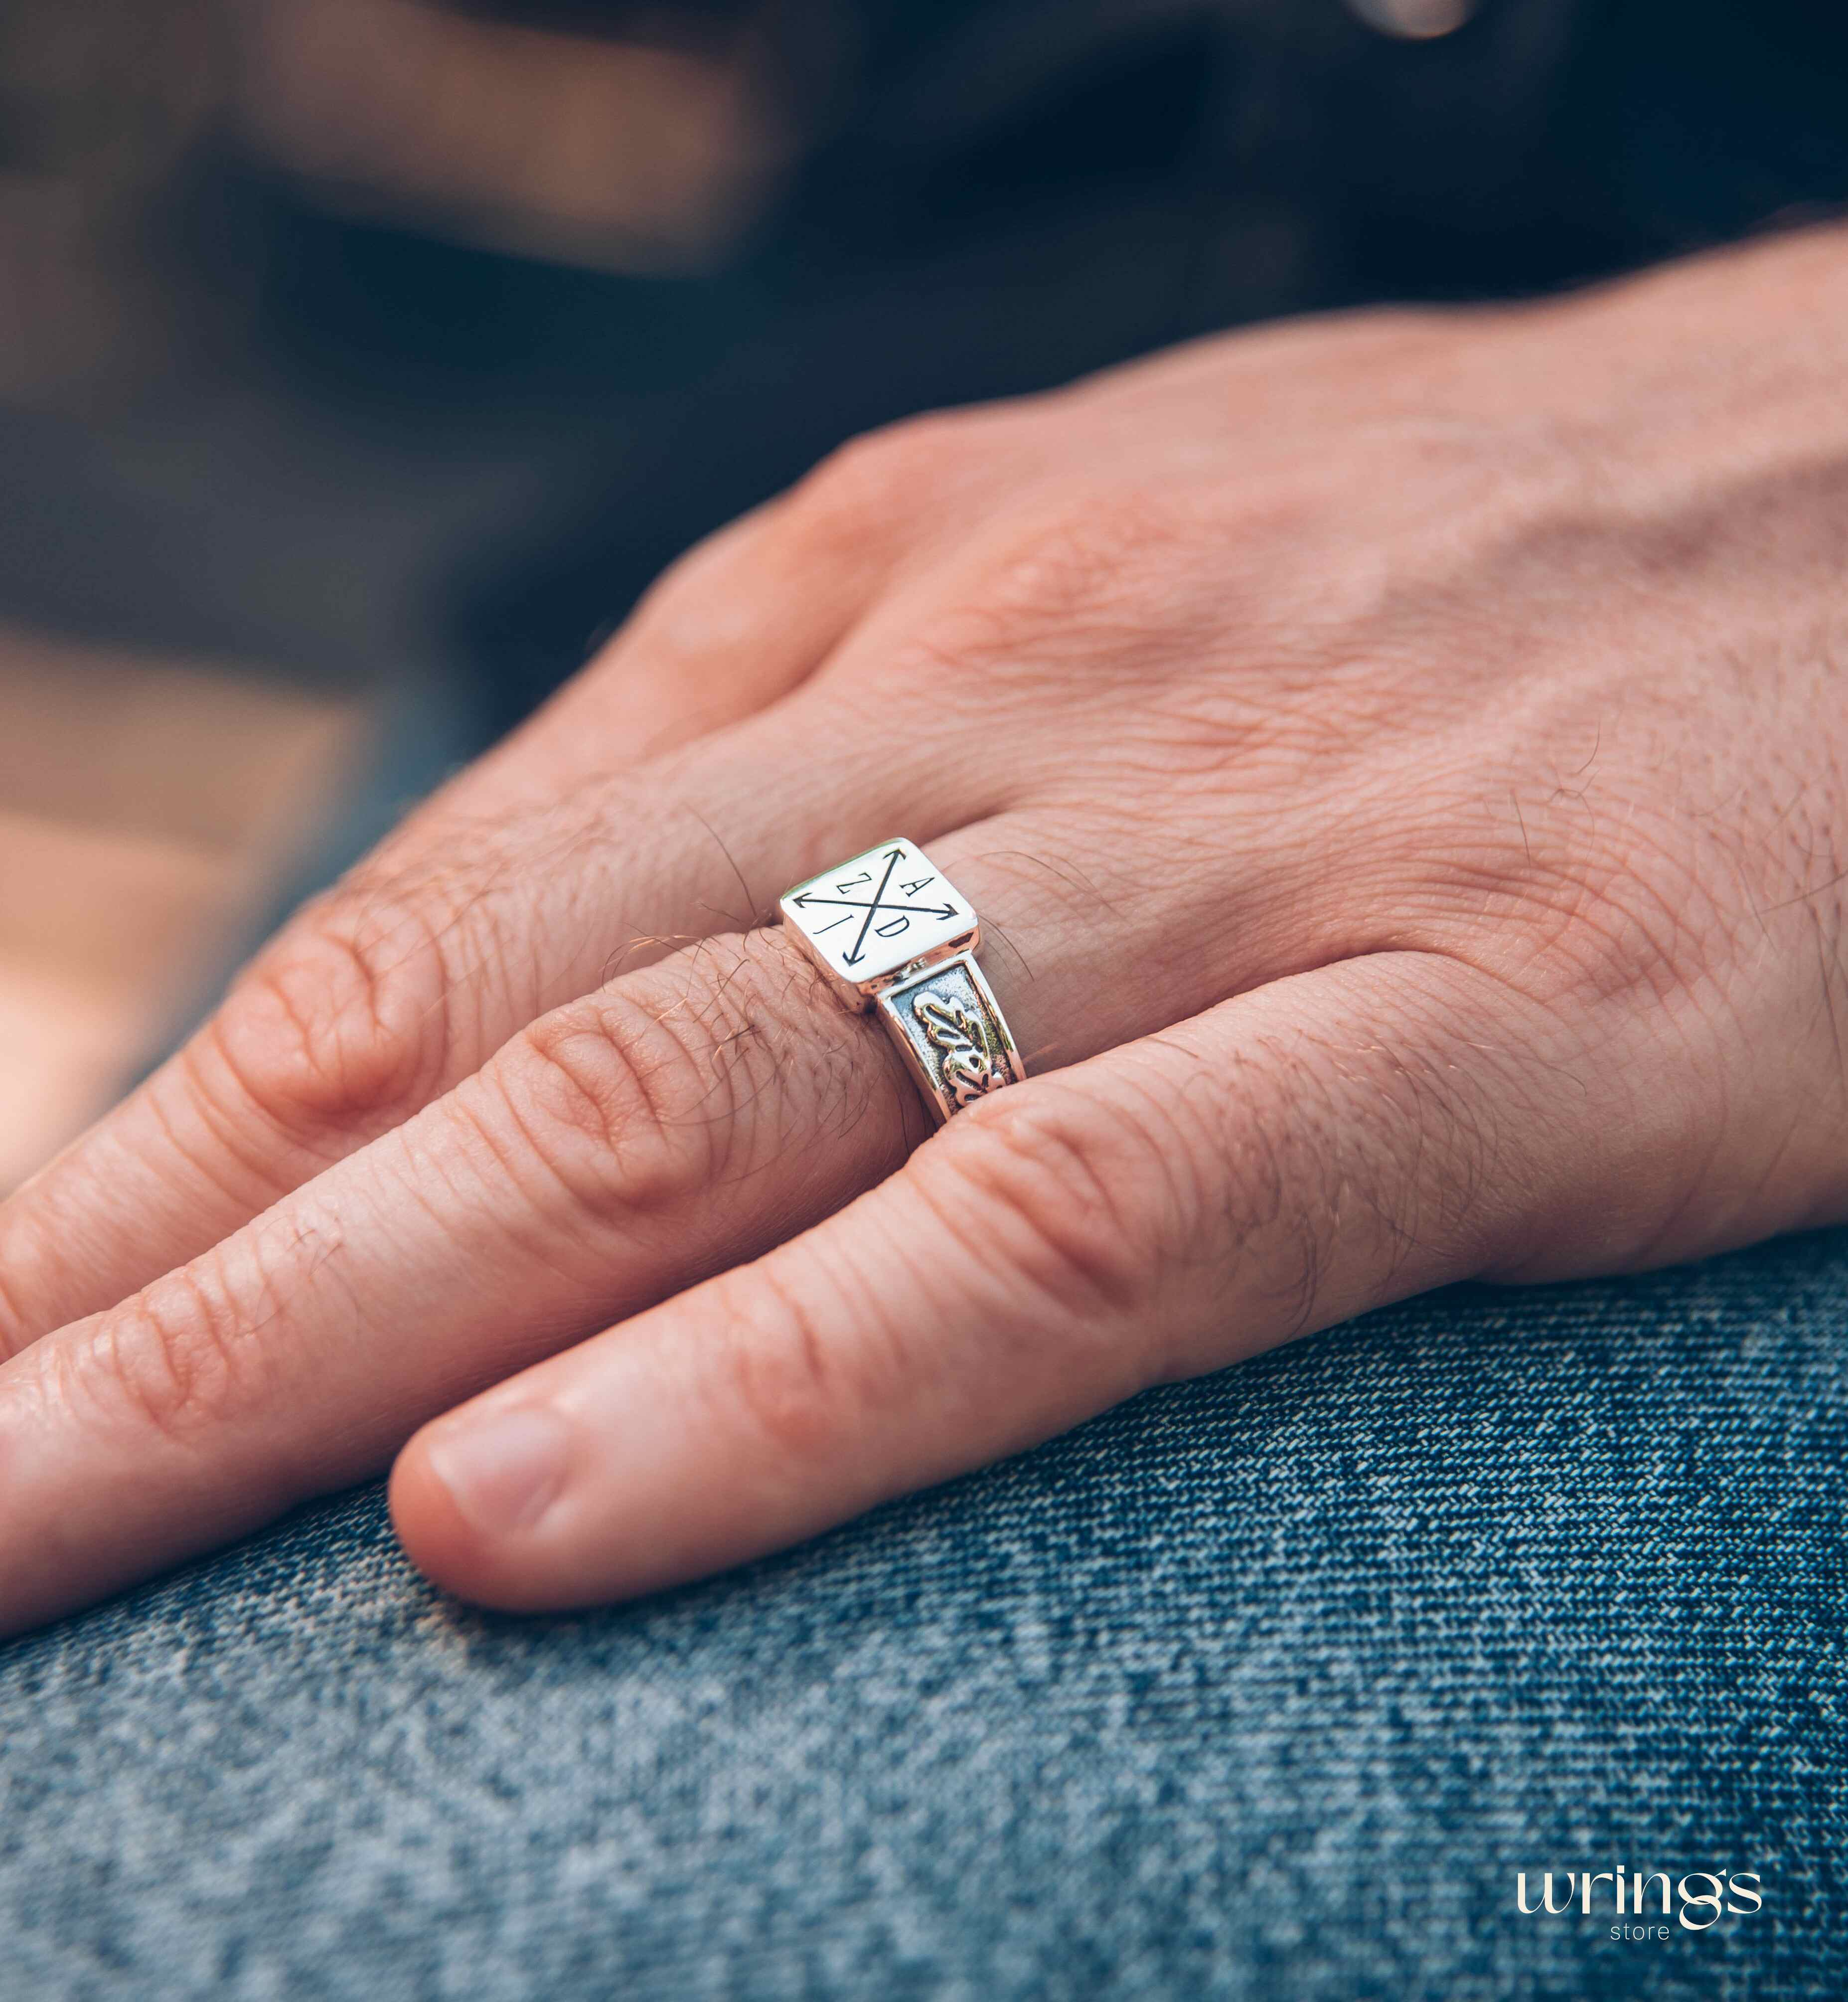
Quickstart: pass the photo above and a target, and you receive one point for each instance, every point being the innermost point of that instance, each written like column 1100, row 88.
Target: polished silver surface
column 891, row 933
column 866, row 921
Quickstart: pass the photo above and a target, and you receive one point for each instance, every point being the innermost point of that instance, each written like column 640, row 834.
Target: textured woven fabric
column 1266, row 1685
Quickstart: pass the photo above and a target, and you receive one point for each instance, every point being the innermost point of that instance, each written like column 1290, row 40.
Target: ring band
column 890, row 933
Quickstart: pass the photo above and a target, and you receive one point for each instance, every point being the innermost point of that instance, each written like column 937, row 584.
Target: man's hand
column 1400, row 762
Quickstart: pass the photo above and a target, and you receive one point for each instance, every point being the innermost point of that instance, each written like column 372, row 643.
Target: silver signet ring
column 890, row 933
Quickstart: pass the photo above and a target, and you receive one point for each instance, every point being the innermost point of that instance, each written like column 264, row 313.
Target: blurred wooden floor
column 147, row 808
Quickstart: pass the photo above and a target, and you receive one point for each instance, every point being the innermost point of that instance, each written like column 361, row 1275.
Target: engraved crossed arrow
column 893, row 857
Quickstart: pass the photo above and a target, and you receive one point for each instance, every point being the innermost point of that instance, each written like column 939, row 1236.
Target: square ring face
column 864, row 921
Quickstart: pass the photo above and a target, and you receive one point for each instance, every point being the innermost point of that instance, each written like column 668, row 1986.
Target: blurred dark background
column 360, row 361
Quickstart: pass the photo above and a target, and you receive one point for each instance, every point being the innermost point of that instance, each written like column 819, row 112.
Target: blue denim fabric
column 1265, row 1686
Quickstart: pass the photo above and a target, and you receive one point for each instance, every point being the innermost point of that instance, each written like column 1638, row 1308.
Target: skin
column 1400, row 761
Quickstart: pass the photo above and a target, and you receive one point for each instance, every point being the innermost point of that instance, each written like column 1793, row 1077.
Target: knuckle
column 619, row 1103
column 777, row 1367
column 179, row 1356
column 1060, row 1189
column 343, row 1021
column 1071, row 580
column 707, row 600
column 696, row 570
column 880, row 476
column 702, row 1073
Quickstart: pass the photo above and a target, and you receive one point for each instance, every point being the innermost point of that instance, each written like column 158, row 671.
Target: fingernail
column 503, row 1468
